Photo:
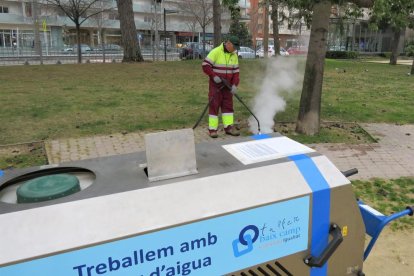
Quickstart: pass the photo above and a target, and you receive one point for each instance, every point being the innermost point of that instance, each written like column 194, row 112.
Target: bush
column 385, row 54
column 409, row 50
column 341, row 54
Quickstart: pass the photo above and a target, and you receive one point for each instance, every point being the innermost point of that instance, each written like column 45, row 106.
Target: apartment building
column 17, row 23
column 290, row 33
column 344, row 35
column 355, row 34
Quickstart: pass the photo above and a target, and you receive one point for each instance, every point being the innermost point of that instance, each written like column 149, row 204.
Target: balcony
column 7, row 18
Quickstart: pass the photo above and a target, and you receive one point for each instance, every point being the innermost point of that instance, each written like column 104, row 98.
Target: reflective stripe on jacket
column 223, row 64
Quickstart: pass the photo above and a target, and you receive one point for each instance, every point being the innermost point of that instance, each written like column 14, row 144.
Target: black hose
column 240, row 100
column 202, row 114
column 226, row 84
column 204, row 111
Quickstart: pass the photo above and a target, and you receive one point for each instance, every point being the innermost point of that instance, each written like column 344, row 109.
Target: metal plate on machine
column 170, row 154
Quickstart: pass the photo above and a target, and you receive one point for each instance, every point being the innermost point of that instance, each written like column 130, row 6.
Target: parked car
column 192, row 50
column 297, row 50
column 246, row 52
column 74, row 48
column 271, row 52
column 67, row 49
column 108, row 48
column 337, row 48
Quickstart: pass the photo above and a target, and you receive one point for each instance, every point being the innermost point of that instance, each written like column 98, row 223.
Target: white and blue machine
column 260, row 205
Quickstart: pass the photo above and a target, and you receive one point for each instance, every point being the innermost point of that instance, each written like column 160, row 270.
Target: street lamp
column 165, row 31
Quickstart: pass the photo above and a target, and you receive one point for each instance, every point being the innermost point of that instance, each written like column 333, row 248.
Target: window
column 113, row 15
column 147, row 18
column 4, row 9
column 28, row 9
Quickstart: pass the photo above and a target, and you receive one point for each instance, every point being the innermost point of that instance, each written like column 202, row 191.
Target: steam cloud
column 283, row 77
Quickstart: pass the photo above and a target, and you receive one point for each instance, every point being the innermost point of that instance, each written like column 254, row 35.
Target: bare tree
column 100, row 19
column 217, row 22
column 132, row 51
column 153, row 24
column 274, row 15
column 191, row 24
column 36, row 43
column 266, row 29
column 78, row 11
column 409, row 50
column 254, row 25
column 202, row 11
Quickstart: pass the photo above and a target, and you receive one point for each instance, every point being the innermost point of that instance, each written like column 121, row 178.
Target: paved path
column 391, row 157
column 400, row 61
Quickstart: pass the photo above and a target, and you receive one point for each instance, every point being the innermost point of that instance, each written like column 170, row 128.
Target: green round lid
column 47, row 187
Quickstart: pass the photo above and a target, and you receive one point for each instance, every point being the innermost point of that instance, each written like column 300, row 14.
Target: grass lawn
column 54, row 101
column 388, row 196
column 47, row 102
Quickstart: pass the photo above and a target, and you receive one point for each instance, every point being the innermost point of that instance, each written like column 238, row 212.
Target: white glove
column 217, row 79
column 233, row 89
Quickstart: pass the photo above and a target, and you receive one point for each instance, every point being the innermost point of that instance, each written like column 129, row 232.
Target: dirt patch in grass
column 22, row 155
column 330, row 132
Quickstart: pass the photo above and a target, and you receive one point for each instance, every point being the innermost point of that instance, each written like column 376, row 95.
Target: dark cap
column 235, row 41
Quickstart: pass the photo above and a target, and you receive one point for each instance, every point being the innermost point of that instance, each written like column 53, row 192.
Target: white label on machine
column 266, row 149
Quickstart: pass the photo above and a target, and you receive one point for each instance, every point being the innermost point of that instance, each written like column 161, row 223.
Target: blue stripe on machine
column 321, row 199
column 261, row 136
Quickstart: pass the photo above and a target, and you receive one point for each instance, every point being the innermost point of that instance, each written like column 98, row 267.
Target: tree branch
column 363, row 3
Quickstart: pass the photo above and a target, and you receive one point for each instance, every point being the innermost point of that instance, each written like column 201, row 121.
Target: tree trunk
column 103, row 45
column 37, row 44
column 353, row 37
column 132, row 51
column 79, row 42
column 412, row 68
column 217, row 22
column 394, row 46
column 310, row 102
column 275, row 19
column 204, row 43
column 266, row 30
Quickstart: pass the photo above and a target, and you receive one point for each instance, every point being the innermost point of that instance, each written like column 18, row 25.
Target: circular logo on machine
column 248, row 235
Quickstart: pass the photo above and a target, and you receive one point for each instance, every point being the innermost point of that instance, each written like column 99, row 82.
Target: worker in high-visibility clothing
column 222, row 67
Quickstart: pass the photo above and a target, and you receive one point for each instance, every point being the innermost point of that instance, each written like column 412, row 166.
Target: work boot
column 230, row 130
column 213, row 133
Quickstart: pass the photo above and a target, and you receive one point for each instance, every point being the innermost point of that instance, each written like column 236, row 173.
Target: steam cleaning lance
column 228, row 86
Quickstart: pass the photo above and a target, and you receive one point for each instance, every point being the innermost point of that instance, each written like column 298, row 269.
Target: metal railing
column 28, row 56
